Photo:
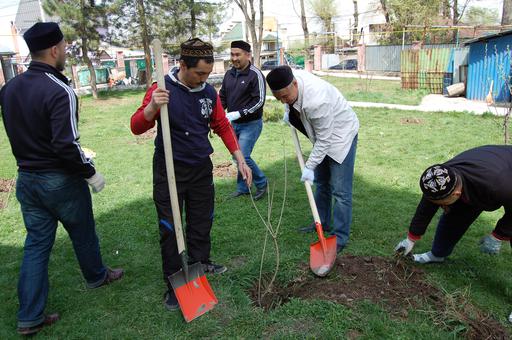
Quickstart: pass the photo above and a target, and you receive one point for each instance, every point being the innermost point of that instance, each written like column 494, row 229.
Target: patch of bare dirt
column 6, row 186
column 405, row 121
column 148, row 135
column 395, row 284
column 224, row 170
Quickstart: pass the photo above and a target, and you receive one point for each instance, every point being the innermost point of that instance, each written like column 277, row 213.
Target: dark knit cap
column 196, row 48
column 43, row 35
column 280, row 77
column 438, row 182
column 241, row 44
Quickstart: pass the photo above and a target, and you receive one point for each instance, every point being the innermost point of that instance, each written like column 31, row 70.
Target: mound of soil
column 150, row 134
column 393, row 283
column 224, row 170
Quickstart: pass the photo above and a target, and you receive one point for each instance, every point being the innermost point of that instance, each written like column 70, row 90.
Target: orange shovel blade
column 322, row 253
column 195, row 296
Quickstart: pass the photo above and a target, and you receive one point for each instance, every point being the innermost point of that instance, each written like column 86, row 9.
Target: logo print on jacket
column 206, row 107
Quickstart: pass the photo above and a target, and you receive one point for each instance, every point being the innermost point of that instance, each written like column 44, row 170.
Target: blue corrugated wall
column 489, row 62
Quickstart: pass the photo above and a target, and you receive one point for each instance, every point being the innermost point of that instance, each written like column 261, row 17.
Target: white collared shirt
column 330, row 122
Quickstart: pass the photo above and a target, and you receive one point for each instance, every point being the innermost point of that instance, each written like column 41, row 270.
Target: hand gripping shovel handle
column 309, row 191
column 169, row 163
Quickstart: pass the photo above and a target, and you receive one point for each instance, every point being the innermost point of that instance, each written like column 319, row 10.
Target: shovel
column 194, row 294
column 322, row 253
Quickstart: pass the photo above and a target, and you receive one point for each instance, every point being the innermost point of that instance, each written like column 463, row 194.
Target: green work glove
column 490, row 245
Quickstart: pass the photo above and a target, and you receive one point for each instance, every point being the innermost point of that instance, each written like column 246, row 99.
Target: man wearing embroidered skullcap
column 474, row 181
column 243, row 95
column 318, row 110
column 194, row 107
column 40, row 115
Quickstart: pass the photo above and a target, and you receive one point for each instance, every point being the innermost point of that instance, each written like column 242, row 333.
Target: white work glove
column 490, row 245
column 286, row 117
column 96, row 182
column 233, row 115
column 405, row 246
column 307, row 175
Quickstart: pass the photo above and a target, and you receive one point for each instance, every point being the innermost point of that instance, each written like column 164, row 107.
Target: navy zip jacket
column 39, row 112
column 486, row 174
column 244, row 91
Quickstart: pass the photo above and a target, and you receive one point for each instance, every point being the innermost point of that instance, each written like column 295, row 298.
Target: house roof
column 487, row 37
column 236, row 33
column 29, row 12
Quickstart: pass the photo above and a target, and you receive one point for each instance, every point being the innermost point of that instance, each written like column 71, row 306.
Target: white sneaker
column 427, row 257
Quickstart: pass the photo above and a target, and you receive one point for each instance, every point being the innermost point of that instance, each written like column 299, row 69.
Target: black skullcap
column 438, row 182
column 241, row 44
column 279, row 78
column 196, row 48
column 43, row 35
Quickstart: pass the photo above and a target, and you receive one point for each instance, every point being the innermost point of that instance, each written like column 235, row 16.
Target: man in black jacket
column 476, row 180
column 40, row 115
column 243, row 95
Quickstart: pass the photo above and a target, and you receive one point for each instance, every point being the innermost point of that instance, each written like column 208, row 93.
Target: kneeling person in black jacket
column 476, row 180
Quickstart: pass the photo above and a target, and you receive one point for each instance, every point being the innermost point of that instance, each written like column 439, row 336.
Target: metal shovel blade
column 194, row 293
column 322, row 253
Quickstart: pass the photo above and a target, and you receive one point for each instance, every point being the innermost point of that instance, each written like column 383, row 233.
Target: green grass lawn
column 366, row 89
column 390, row 157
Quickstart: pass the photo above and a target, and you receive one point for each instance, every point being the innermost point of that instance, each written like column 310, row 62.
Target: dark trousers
column 196, row 199
column 45, row 199
column 452, row 226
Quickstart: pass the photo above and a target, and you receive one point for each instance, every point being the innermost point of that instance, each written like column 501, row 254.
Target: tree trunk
column 384, row 6
column 145, row 41
column 250, row 19
column 455, row 20
column 506, row 19
column 85, row 53
column 356, row 25
column 192, row 19
column 306, row 31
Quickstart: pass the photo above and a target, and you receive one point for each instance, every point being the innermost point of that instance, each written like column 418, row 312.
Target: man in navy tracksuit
column 193, row 107
column 40, row 115
column 243, row 96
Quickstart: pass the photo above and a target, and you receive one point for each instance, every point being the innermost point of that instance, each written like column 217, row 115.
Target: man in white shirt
column 319, row 111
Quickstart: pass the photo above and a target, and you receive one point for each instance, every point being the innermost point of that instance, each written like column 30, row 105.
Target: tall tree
column 384, row 6
column 144, row 34
column 210, row 19
column 356, row 25
column 80, row 22
column 249, row 11
column 506, row 18
column 304, row 24
column 136, row 23
column 325, row 11
column 481, row 16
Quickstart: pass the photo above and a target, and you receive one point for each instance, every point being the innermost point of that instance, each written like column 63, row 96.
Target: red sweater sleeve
column 221, row 126
column 138, row 123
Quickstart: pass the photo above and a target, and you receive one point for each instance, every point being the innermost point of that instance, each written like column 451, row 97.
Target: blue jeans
column 334, row 180
column 247, row 135
column 45, row 199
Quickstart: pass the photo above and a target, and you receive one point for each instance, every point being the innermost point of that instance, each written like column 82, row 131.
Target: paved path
column 436, row 103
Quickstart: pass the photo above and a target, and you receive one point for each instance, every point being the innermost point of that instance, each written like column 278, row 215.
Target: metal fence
column 388, row 58
column 425, row 68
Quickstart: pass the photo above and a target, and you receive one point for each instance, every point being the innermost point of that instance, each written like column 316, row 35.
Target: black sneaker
column 212, row 268
column 260, row 193
column 238, row 194
column 339, row 248
column 170, row 301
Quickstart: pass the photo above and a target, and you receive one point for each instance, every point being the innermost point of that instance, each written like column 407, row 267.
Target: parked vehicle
column 349, row 64
column 269, row 64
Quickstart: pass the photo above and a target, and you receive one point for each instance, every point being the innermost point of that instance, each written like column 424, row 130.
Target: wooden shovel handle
column 311, row 198
column 166, row 137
